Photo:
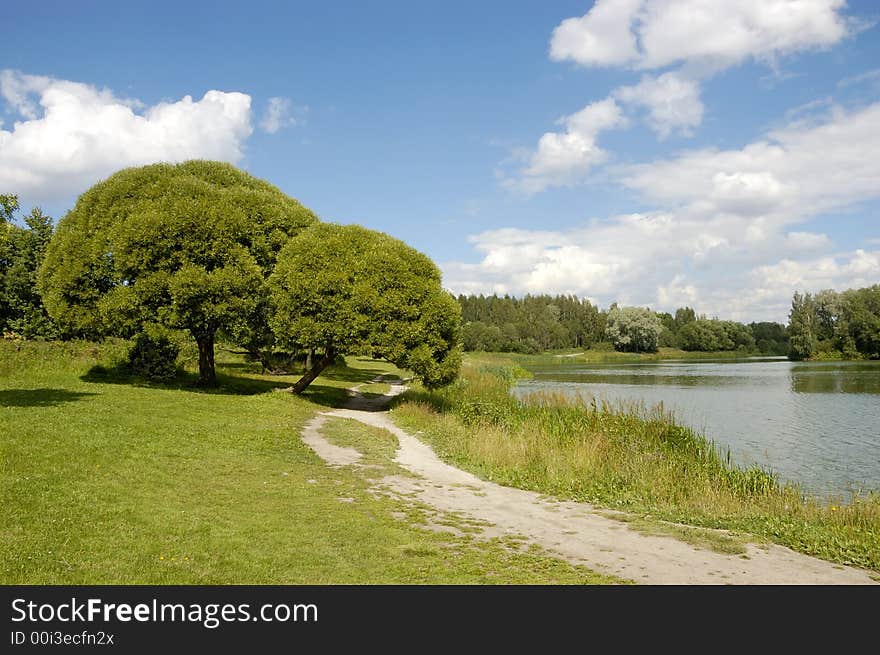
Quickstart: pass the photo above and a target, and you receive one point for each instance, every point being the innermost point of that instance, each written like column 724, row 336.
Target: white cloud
column 601, row 37
column 868, row 76
column 677, row 293
column 74, row 134
column 673, row 102
column 566, row 158
column 664, row 261
column 281, row 113
column 702, row 37
column 793, row 173
column 726, row 238
column 651, row 34
column 842, row 271
column 562, row 157
column 807, row 241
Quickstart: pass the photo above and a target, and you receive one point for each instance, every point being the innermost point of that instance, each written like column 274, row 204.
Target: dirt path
column 574, row 531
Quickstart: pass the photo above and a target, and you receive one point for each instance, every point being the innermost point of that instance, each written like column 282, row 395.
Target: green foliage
column 831, row 325
column 770, row 338
column 633, row 329
column 860, row 315
column 154, row 355
column 188, row 246
column 347, row 289
column 535, row 324
column 21, row 253
column 528, row 325
column 8, row 207
column 801, row 326
column 683, row 316
column 713, row 335
column 477, row 335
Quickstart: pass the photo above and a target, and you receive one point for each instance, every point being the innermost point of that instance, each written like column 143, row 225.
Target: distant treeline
column 543, row 322
column 836, row 325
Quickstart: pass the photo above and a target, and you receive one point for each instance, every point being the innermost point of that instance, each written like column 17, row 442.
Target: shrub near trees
column 187, row 246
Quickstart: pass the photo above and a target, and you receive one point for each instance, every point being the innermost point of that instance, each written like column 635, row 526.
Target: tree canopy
column 8, row 207
column 21, row 253
column 530, row 324
column 344, row 289
column 188, row 246
column 834, row 325
column 633, row 329
column 713, row 335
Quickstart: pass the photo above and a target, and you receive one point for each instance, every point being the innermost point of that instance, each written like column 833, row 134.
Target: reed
column 629, row 456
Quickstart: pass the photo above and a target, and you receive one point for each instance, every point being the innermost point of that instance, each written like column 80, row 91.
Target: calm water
column 817, row 423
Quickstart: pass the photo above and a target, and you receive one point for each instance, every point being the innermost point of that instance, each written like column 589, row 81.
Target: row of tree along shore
column 827, row 325
column 205, row 248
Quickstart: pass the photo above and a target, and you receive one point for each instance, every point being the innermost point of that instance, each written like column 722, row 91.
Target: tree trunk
column 310, row 357
column 207, row 376
column 314, row 371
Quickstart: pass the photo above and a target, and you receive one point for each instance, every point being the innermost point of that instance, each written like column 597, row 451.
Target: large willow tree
column 344, row 289
column 189, row 246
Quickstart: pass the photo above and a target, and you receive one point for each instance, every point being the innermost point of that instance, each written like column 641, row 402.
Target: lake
column 817, row 423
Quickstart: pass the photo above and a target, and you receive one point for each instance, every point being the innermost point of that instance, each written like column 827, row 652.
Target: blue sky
column 719, row 154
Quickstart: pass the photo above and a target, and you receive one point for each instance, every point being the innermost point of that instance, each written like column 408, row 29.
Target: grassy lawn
column 107, row 480
column 645, row 465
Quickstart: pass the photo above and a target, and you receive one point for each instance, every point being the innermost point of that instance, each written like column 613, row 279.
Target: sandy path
column 574, row 531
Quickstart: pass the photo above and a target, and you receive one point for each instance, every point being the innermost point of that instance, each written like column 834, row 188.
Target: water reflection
column 835, row 378
column 813, row 422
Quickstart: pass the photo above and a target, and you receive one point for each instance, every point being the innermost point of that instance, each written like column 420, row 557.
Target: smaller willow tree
column 349, row 290
column 187, row 246
column 633, row 329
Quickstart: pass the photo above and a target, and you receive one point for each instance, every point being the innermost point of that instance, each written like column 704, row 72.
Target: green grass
column 105, row 479
column 377, row 446
column 375, row 389
column 628, row 459
column 727, row 543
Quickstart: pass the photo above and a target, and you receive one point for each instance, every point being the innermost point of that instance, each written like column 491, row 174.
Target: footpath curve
column 576, row 532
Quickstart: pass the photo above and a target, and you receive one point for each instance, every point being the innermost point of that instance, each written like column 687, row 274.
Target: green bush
column 154, row 355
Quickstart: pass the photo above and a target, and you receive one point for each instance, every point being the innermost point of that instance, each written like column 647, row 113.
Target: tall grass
column 632, row 457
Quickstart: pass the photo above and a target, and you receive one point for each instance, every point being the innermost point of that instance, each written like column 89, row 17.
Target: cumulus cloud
column 562, row 157
column 663, row 261
column 673, row 102
column 795, row 172
column 601, row 37
column 280, row 113
column 651, row 34
column 701, row 37
column 727, row 238
column 73, row 134
column 871, row 76
column 566, row 157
